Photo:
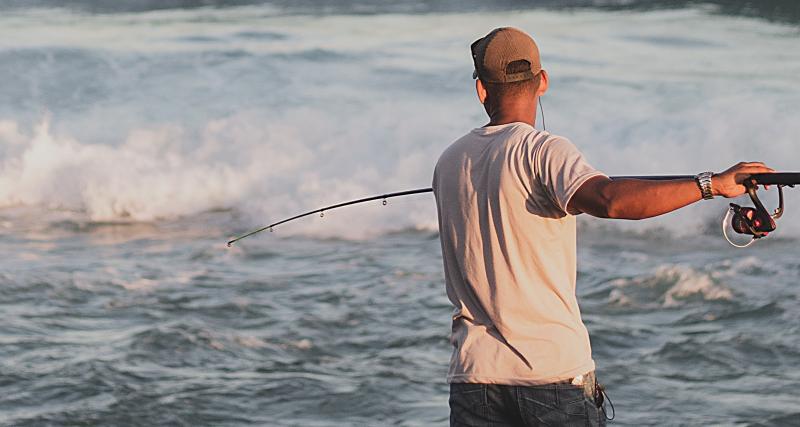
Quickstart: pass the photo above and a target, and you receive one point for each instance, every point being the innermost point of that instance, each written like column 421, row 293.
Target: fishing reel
column 756, row 221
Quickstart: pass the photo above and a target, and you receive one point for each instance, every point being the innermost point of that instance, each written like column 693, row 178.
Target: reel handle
column 752, row 187
column 757, row 222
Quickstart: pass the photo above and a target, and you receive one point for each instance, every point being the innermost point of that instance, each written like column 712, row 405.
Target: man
column 507, row 195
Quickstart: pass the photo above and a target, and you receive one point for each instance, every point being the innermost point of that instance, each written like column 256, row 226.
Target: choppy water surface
column 133, row 144
column 111, row 326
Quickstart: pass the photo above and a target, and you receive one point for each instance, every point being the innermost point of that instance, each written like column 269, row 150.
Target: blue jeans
column 484, row 405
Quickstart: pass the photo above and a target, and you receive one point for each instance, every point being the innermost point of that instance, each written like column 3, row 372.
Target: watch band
column 703, row 180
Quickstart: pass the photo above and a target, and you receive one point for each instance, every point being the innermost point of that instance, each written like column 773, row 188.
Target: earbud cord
column 544, row 127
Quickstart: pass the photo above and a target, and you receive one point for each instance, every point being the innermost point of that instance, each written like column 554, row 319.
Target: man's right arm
column 638, row 199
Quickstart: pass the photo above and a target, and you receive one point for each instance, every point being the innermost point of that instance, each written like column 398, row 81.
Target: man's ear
column 544, row 83
column 481, row 90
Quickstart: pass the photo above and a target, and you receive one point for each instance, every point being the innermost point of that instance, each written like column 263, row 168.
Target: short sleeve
column 562, row 169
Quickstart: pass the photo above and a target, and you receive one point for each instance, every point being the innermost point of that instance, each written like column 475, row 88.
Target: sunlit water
column 133, row 145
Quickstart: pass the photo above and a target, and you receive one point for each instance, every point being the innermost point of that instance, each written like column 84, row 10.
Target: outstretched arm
column 638, row 199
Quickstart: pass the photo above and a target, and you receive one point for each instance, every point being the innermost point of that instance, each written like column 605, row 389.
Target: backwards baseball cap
column 505, row 55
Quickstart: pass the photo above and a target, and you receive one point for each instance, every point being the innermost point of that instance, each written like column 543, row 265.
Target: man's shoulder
column 556, row 145
column 537, row 143
column 457, row 146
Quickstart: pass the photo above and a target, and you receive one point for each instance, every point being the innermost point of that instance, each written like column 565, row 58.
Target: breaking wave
column 668, row 286
column 162, row 173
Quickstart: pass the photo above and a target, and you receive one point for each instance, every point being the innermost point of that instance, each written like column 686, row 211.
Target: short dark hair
column 498, row 91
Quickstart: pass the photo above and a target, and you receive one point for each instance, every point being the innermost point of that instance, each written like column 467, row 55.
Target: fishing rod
column 321, row 211
column 752, row 221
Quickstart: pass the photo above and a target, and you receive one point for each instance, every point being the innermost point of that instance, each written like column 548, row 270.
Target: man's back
column 509, row 255
column 505, row 195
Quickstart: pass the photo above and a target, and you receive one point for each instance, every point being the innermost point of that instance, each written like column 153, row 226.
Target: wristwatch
column 704, row 182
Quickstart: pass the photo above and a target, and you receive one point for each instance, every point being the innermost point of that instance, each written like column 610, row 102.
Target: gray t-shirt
column 509, row 254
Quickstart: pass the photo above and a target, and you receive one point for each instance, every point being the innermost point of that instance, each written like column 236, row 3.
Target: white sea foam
column 669, row 285
column 153, row 175
column 689, row 282
column 143, row 179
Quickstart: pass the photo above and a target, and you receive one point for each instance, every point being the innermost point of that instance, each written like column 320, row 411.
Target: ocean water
column 137, row 137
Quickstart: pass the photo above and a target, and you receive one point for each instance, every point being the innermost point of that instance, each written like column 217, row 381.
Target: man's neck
column 503, row 120
column 513, row 113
